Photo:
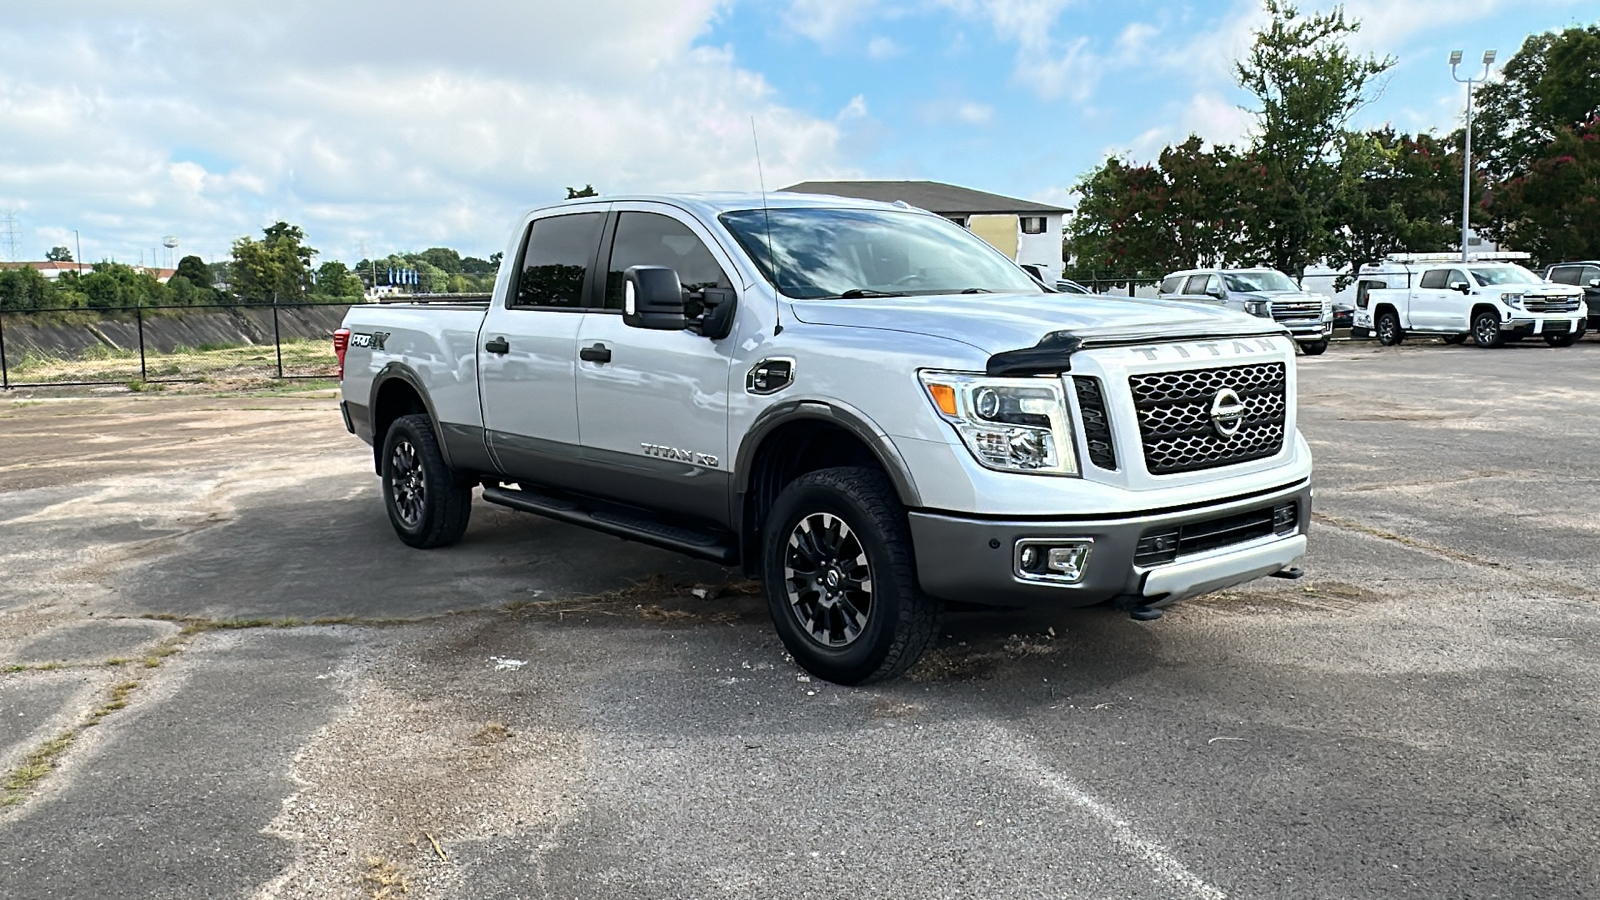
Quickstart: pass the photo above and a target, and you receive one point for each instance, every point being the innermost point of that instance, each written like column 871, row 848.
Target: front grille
column 1285, row 310
column 1096, row 424
column 1174, row 411
column 1550, row 304
column 1163, row 545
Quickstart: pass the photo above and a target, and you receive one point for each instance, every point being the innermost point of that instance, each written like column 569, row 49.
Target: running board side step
column 620, row 521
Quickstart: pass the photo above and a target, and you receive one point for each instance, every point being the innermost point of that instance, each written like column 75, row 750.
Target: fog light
column 1285, row 517
column 1059, row 560
column 1068, row 561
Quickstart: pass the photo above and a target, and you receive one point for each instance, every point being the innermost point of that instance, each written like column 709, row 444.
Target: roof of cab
column 712, row 203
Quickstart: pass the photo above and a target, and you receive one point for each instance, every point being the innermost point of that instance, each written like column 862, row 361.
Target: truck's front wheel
column 836, row 555
column 1486, row 330
column 428, row 503
column 1314, row 348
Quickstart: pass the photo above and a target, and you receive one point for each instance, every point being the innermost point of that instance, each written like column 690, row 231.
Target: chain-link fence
column 160, row 344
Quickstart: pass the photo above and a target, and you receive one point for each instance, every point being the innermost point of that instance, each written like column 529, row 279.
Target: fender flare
column 847, row 417
column 392, row 371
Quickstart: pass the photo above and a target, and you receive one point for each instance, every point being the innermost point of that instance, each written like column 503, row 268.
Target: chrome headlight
column 1258, row 308
column 1009, row 424
column 1512, row 300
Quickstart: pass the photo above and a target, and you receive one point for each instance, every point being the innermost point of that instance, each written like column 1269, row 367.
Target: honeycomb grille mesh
column 1096, row 423
column 1174, row 411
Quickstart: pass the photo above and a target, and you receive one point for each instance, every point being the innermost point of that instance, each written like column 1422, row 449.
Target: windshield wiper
column 977, row 291
column 858, row 293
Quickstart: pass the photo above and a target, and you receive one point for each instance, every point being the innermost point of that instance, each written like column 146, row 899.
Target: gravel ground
column 221, row 676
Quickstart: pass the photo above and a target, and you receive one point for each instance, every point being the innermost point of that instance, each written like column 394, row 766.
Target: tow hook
column 1293, row 573
column 1137, row 607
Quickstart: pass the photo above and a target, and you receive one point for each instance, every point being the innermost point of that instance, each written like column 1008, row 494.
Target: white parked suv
column 1267, row 293
column 1489, row 302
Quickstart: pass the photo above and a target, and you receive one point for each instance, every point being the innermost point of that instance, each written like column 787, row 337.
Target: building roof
column 933, row 196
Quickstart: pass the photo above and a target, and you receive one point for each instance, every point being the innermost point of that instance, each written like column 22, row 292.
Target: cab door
column 528, row 348
column 653, row 405
column 1430, row 302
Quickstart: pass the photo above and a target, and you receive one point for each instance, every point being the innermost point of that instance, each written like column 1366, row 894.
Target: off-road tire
column 1486, row 331
column 901, row 621
column 1314, row 348
column 411, row 459
column 1456, row 338
column 1388, row 329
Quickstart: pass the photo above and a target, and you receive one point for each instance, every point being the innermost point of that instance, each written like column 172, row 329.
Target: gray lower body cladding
column 974, row 560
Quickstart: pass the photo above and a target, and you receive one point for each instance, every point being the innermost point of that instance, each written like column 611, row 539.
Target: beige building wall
column 1000, row 231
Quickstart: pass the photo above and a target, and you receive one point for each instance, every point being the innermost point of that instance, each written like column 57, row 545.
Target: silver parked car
column 1262, row 292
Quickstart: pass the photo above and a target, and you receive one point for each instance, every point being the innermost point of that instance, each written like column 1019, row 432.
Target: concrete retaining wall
column 168, row 330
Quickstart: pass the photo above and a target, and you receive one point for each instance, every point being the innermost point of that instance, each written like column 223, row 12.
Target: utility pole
column 1466, row 155
column 79, row 242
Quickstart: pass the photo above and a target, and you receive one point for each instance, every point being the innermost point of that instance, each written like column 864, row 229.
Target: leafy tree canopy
column 586, row 191
column 59, row 254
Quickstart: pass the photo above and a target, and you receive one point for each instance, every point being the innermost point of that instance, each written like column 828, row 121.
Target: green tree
column 59, row 254
column 1396, row 193
column 442, row 258
column 587, row 191
column 25, row 288
column 1204, row 213
column 276, row 267
column 1551, row 209
column 1552, row 82
column 1121, row 228
column 114, row 285
column 195, row 270
column 1307, row 85
column 336, row 282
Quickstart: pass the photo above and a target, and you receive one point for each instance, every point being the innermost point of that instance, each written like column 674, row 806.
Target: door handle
column 497, row 345
column 599, row 353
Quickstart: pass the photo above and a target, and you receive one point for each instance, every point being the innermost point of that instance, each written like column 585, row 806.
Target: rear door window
column 651, row 239
column 555, row 264
column 1565, row 274
column 1435, row 279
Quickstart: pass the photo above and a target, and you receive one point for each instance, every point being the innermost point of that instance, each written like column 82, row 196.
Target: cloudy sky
column 403, row 125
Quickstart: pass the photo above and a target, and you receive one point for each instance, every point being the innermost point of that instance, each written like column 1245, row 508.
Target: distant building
column 1028, row 232
column 52, row 269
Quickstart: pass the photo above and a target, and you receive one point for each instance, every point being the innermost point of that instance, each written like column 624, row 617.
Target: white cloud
column 398, row 124
column 883, row 48
column 824, row 21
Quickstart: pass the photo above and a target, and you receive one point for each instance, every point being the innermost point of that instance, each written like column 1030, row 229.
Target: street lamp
column 1466, row 156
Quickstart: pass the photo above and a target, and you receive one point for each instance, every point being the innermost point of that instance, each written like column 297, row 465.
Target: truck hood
column 1278, row 296
column 998, row 322
column 1535, row 288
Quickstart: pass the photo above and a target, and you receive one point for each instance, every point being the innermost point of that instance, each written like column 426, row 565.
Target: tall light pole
column 1466, row 156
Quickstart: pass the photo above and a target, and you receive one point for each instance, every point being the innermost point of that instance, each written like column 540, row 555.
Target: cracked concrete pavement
column 547, row 712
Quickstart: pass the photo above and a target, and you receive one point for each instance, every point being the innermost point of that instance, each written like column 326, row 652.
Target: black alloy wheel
column 840, row 581
column 429, row 503
column 828, row 579
column 1486, row 331
column 1388, row 328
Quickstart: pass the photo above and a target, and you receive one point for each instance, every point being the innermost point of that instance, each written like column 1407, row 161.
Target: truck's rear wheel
column 428, row 503
column 1314, row 348
column 840, row 582
column 1486, row 330
column 1388, row 327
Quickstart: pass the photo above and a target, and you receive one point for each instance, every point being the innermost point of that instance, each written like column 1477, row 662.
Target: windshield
column 1504, row 275
column 825, row 253
column 1254, row 282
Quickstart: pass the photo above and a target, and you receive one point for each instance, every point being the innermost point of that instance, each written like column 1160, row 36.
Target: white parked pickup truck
column 1490, row 302
column 861, row 404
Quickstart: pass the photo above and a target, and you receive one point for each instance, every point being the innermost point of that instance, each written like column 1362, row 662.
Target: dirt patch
column 656, row 599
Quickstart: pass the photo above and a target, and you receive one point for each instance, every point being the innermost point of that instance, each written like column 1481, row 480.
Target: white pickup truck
column 862, row 404
column 1490, row 302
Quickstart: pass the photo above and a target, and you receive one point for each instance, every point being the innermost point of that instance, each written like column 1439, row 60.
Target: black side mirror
column 716, row 317
column 653, row 298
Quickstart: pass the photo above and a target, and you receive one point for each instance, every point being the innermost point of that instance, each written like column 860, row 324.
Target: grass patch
column 301, row 356
column 32, row 667
column 383, row 878
column 20, row 782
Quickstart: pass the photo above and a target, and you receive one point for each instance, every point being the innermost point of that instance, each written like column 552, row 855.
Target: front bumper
column 1309, row 330
column 974, row 560
column 1527, row 326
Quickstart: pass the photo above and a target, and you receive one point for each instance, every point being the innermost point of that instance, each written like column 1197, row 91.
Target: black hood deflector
column 1053, row 353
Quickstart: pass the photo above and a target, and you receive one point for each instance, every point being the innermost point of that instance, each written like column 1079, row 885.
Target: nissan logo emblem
column 1227, row 412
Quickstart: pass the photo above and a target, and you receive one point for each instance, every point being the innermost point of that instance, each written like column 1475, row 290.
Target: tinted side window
column 1196, row 285
column 1457, row 277
column 558, row 255
column 1434, row 278
column 1169, row 285
column 648, row 239
column 1565, row 274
